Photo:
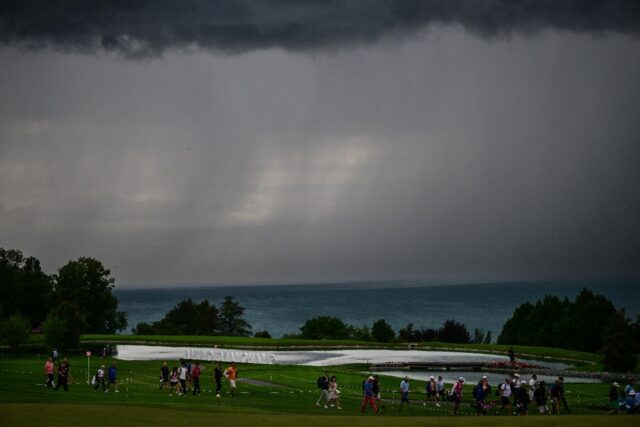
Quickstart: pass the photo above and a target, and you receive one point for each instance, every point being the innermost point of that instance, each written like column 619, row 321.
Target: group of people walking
column 625, row 401
column 111, row 376
column 186, row 378
column 64, row 375
column 513, row 395
column 329, row 391
column 63, row 370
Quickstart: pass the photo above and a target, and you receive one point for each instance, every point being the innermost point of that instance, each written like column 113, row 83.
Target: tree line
column 190, row 318
column 589, row 323
column 77, row 299
column 328, row 327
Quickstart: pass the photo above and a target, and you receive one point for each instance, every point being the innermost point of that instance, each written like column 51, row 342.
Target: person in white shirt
column 505, row 395
column 533, row 383
column 99, row 379
column 182, row 374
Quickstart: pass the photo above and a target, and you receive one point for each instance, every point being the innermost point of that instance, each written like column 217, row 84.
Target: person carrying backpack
column 505, row 395
column 430, row 389
column 323, row 385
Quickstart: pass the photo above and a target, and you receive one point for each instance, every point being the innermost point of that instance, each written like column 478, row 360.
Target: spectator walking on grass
column 195, row 376
column 456, row 394
column 505, row 396
column 182, row 376
column 113, row 378
column 323, row 386
column 63, row 375
column 554, row 394
column 430, row 390
column 232, row 375
column 480, row 393
column 561, row 392
column 521, row 399
column 368, row 396
column 440, row 390
column 404, row 392
column 376, row 392
column 164, row 375
column 100, row 379
column 217, row 376
column 174, row 382
column 614, row 398
column 533, row 384
column 48, row 371
column 189, row 377
column 334, row 392
column 540, row 396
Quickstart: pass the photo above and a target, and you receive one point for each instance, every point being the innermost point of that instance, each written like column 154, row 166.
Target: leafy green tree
column 552, row 322
column 407, row 333
column 361, row 333
column 325, row 327
column 478, row 336
column 488, row 338
column 185, row 318
column 381, row 331
column 454, row 332
column 55, row 332
column 15, row 331
column 619, row 353
column 25, row 288
column 74, row 321
column 231, row 321
column 88, row 284
column 262, row 334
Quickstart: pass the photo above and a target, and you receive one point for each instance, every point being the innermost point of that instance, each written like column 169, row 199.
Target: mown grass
column 63, row 415
column 290, row 392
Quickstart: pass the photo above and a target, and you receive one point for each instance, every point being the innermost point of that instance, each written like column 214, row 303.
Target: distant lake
column 283, row 309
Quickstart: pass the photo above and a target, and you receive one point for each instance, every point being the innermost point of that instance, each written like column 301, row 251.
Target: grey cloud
column 143, row 28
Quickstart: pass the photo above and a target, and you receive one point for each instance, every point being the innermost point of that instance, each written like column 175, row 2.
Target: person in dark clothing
column 63, row 375
column 323, row 385
column 164, row 375
column 614, row 398
column 217, row 376
column 540, row 397
column 561, row 393
column 521, row 399
column 376, row 391
column 479, row 396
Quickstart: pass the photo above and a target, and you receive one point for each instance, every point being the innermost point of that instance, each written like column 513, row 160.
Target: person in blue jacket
column 112, row 375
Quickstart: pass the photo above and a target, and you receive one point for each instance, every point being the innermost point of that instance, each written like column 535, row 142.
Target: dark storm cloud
column 141, row 28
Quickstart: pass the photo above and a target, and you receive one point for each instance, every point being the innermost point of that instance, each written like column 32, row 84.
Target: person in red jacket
column 195, row 376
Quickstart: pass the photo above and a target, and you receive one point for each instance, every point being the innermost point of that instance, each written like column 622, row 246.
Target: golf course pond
column 334, row 357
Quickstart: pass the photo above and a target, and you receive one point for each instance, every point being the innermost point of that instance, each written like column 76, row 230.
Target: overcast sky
column 304, row 143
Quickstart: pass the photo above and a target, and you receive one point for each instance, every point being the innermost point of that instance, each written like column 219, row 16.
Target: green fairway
column 101, row 415
column 274, row 395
